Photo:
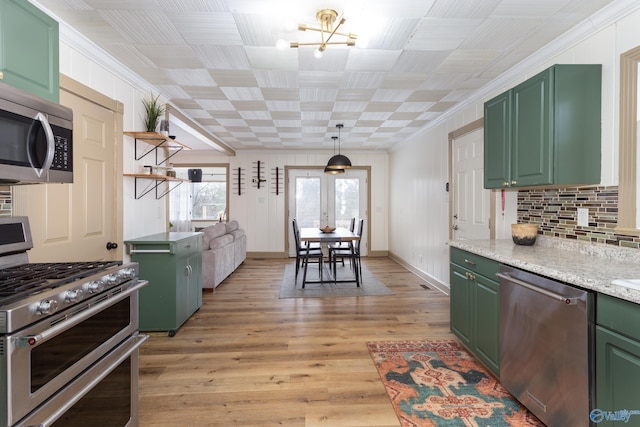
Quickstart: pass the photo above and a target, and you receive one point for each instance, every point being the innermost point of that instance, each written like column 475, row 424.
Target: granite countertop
column 590, row 266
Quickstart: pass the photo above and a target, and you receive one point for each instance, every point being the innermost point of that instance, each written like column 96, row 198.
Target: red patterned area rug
column 438, row 383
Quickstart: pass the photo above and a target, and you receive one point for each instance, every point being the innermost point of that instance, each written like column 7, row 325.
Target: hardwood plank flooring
column 248, row 358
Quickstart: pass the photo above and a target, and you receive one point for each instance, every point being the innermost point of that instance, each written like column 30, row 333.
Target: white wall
column 409, row 203
column 262, row 213
column 418, row 170
column 147, row 215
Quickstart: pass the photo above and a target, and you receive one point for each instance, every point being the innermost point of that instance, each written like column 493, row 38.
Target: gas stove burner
column 25, row 280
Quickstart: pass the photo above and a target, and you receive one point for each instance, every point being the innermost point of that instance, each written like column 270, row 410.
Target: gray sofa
column 224, row 248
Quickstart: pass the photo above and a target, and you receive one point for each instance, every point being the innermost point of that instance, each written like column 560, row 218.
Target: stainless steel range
column 68, row 338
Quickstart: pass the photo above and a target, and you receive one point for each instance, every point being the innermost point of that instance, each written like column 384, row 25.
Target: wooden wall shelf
column 156, row 140
column 156, row 183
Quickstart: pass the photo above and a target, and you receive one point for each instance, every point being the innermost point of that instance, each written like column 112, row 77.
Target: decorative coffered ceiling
column 217, row 61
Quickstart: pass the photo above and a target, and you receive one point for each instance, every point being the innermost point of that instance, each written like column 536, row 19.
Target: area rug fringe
column 439, row 384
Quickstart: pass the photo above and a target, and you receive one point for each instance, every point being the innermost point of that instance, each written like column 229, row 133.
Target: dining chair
column 305, row 253
column 353, row 253
column 342, row 245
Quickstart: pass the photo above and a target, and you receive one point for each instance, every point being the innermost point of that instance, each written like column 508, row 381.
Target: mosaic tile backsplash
column 556, row 211
column 5, row 201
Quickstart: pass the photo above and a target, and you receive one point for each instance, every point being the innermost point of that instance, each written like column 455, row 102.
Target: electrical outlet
column 583, row 217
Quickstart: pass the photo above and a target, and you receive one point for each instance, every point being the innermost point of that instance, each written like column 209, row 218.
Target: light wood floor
column 247, row 358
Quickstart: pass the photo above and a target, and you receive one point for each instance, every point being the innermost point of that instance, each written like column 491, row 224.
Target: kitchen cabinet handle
column 469, row 262
column 505, row 184
column 514, row 182
column 553, row 295
column 470, row 276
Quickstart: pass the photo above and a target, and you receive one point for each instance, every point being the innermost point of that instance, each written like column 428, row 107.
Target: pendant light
column 333, row 171
column 338, row 161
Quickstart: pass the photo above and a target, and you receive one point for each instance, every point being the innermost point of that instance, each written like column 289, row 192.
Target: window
column 204, row 201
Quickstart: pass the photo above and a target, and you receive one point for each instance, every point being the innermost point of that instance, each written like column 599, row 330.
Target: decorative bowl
column 327, row 229
column 524, row 234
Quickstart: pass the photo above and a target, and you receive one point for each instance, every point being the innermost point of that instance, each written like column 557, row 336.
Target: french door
column 317, row 199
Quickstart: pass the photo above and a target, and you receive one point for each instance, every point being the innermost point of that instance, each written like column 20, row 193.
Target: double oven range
column 68, row 338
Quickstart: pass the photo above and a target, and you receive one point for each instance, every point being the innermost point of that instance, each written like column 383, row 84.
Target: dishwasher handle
column 563, row 299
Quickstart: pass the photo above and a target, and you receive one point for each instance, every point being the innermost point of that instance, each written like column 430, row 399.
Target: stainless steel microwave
column 36, row 144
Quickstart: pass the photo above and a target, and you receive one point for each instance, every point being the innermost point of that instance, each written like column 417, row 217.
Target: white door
column 471, row 202
column 318, row 199
column 74, row 222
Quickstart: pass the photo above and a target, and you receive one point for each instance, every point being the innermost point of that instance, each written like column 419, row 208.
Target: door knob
column 455, row 227
column 111, row 245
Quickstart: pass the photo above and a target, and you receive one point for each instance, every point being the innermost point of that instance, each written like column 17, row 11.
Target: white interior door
column 318, row 199
column 471, row 207
column 74, row 222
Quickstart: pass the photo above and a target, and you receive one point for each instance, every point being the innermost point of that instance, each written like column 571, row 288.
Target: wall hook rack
column 237, row 180
column 258, row 171
column 276, row 181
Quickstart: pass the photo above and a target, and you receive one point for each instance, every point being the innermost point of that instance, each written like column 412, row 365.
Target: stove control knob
column 73, row 295
column 48, row 306
column 111, row 279
column 95, row 286
column 128, row 273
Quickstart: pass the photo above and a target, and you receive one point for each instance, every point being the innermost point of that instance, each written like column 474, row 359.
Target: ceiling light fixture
column 329, row 170
column 338, row 161
column 327, row 18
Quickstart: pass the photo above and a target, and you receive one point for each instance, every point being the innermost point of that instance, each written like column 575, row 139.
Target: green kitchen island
column 172, row 263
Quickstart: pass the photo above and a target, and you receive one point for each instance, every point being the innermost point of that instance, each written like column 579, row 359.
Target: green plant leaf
column 153, row 111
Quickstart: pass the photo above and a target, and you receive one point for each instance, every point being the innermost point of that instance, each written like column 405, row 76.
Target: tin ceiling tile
column 213, row 57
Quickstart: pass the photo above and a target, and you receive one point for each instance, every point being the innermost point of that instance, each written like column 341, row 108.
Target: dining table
column 310, row 235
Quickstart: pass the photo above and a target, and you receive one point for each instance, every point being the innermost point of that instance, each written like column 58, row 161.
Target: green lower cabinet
column 461, row 289
column 617, row 362
column 475, row 306
column 172, row 263
column 487, row 318
column 617, row 376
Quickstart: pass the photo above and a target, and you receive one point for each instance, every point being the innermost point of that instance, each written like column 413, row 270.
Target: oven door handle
column 34, row 340
column 553, row 295
column 126, row 349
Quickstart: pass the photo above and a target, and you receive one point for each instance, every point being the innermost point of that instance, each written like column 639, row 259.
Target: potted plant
column 153, row 111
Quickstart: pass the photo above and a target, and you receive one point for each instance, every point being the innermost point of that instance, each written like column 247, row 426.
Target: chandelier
column 327, row 18
column 338, row 161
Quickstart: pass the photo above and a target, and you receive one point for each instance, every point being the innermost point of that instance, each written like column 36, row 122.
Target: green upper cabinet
column 29, row 49
column 546, row 130
column 497, row 129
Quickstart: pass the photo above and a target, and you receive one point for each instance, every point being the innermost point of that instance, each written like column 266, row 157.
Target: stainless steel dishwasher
column 546, row 346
